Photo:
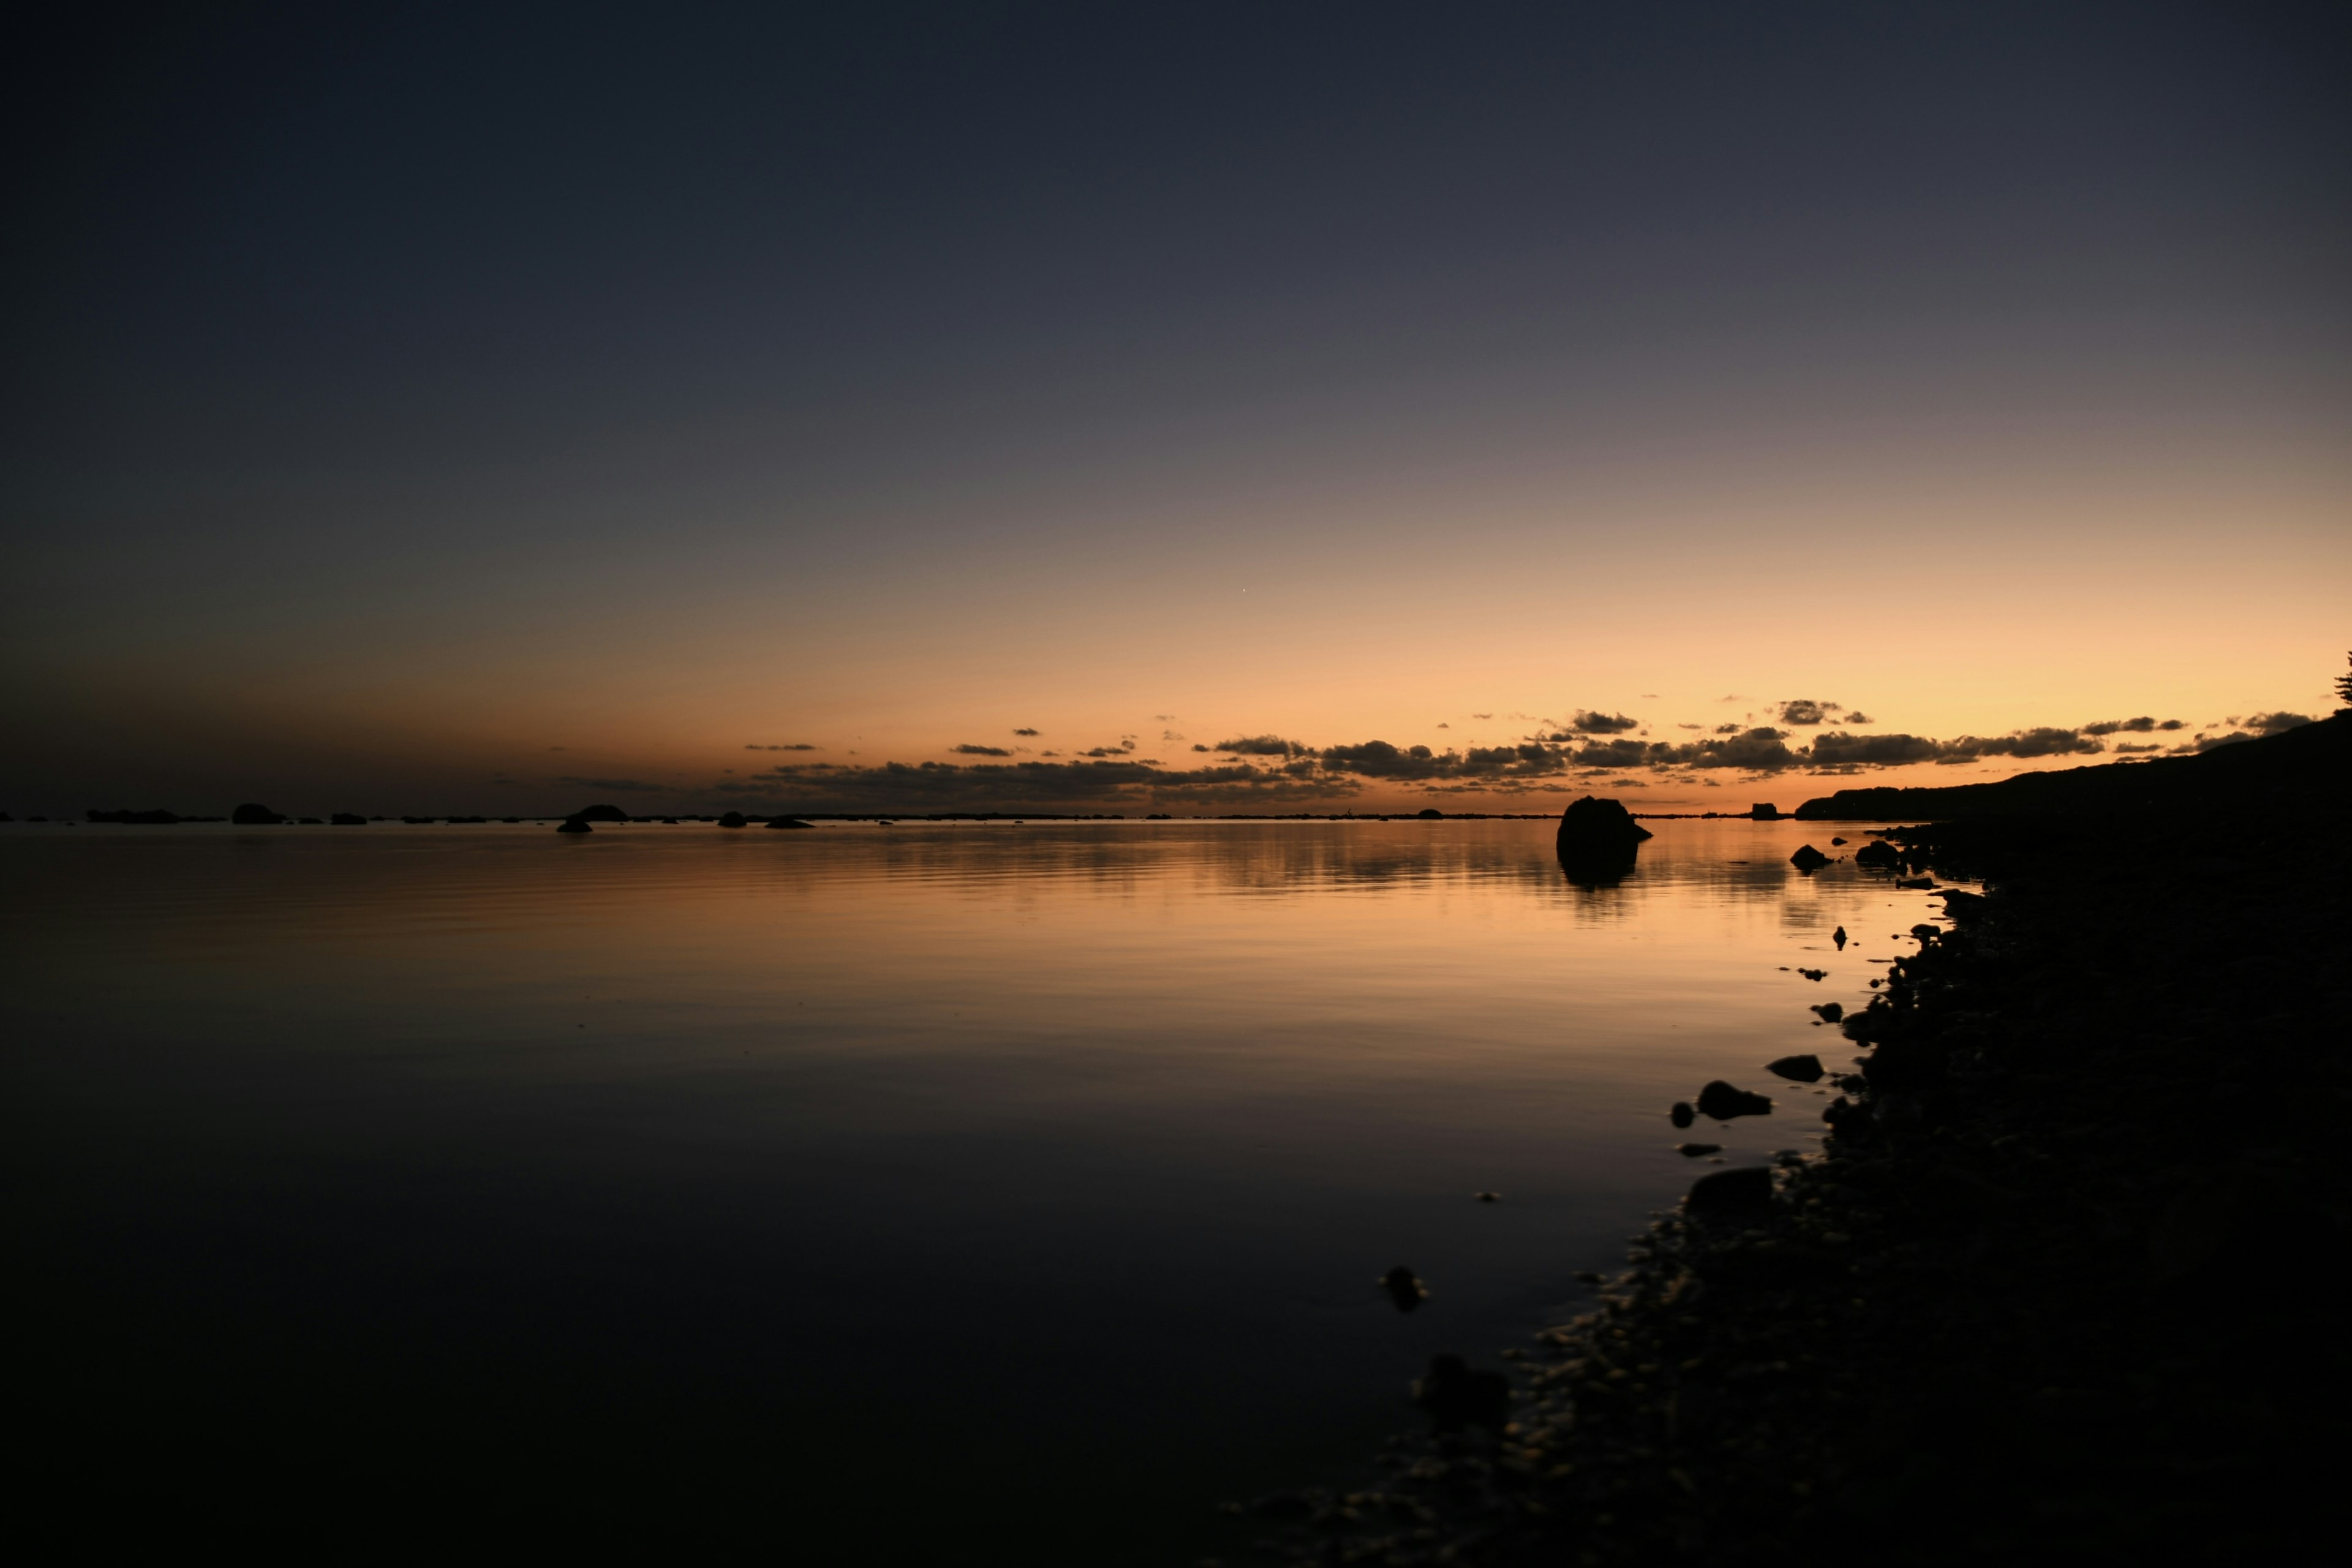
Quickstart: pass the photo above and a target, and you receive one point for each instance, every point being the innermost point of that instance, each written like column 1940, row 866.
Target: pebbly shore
column 2058, row 1287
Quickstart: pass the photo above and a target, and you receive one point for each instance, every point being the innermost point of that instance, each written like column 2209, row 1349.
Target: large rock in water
column 254, row 814
column 1597, row 841
column 1808, row 858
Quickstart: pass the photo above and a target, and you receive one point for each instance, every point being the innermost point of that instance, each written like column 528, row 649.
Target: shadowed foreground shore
column 2060, row 1285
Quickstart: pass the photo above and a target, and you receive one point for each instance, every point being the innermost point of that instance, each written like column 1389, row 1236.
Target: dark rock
column 1404, row 1287
column 1814, row 974
column 252, row 813
column 1838, row 936
column 1695, row 1151
column 1455, row 1396
column 789, row 822
column 734, row 819
column 1597, row 842
column 1831, row 1012
column 1806, row 1068
column 1926, row 933
column 1963, row 906
column 348, row 819
column 573, row 825
column 1836, row 842
column 1765, row 811
column 1744, row 1190
column 599, row 813
column 1808, row 858
column 1723, row 1102
column 1682, row 1115
column 1593, row 824
column 1881, row 855
column 1429, row 814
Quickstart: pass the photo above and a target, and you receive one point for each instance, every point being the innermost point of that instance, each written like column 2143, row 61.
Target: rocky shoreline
column 2056, row 1288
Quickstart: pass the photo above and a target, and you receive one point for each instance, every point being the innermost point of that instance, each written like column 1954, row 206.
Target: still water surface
column 922, row 1192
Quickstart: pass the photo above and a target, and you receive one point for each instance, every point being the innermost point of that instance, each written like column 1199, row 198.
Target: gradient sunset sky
column 495, row 408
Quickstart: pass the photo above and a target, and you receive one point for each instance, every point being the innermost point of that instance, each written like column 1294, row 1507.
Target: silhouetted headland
column 2056, row 1287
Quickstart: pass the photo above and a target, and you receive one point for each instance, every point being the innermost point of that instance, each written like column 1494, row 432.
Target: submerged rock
column 1456, row 1396
column 1742, row 1190
column 1721, row 1101
column 1404, row 1287
column 1806, row 1068
column 1808, row 858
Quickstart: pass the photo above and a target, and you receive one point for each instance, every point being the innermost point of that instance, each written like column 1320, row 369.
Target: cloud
column 2276, row 723
column 1805, row 710
column 1262, row 746
column 1170, row 735
column 623, row 787
column 1838, row 748
column 1198, row 747
column 1735, row 697
column 2139, row 726
column 969, row 750
column 1587, row 722
column 1037, row 786
column 1482, row 715
column 794, row 746
column 1858, row 717
column 1729, row 729
column 1025, row 731
column 1442, row 725
column 1762, row 750
column 2044, row 741
column 1379, row 760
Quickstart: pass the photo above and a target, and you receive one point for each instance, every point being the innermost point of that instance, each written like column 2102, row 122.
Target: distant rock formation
column 734, row 819
column 573, row 825
column 1597, row 841
column 347, row 819
column 598, row 813
column 1765, row 811
column 789, row 822
column 1429, row 813
column 155, row 818
column 252, row 813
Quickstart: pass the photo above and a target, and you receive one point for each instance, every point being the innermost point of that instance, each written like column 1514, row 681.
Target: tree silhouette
column 2343, row 683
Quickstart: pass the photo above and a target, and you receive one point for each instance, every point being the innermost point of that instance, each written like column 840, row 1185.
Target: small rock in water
column 1693, row 1150
column 1404, row 1287
column 572, row 824
column 1806, row 1068
column 1455, row 1396
column 1808, row 858
column 1831, row 1012
column 1836, row 842
column 1814, row 974
column 1723, row 1102
column 1743, row 1190
column 1681, row 1115
column 1838, row 936
column 1489, row 1197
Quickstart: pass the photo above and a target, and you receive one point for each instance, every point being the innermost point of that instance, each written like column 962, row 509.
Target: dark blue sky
column 470, row 290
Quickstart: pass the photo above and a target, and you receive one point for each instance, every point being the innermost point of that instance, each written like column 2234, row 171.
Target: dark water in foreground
column 925, row 1193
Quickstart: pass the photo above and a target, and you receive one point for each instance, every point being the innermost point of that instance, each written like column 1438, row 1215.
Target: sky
column 491, row 408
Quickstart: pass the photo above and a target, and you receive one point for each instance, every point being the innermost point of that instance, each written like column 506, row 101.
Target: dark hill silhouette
column 2305, row 768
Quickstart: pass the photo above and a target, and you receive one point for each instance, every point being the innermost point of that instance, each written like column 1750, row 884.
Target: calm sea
column 900, row 1194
